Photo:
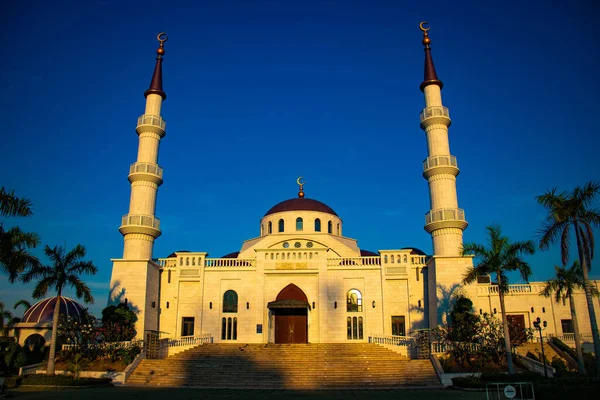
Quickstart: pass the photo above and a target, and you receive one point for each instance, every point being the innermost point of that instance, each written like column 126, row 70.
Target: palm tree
column 569, row 212
column 7, row 320
column 501, row 257
column 567, row 280
column 15, row 245
column 65, row 270
column 23, row 303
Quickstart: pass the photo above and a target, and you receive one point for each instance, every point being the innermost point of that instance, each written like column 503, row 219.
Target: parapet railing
column 436, row 161
column 140, row 220
column 353, row 261
column 229, row 262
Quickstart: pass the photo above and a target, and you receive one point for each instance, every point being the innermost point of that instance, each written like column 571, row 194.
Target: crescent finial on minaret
column 431, row 77
column 156, row 82
column 301, row 184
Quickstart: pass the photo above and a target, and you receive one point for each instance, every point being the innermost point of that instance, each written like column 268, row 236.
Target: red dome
column 43, row 310
column 299, row 204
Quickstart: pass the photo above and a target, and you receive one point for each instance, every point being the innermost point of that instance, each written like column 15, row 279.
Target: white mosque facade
column 300, row 280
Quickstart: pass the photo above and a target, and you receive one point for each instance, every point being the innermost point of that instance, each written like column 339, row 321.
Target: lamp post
column 538, row 326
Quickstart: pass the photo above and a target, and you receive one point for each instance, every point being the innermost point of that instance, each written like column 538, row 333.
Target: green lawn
column 118, row 393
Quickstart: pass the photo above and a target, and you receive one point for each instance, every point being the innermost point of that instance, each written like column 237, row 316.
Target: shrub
column 76, row 364
column 559, row 365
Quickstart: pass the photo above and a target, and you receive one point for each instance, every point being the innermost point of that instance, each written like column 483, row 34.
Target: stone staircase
column 536, row 348
column 286, row 366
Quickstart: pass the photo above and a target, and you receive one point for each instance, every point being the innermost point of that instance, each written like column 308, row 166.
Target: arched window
column 398, row 258
column 392, row 258
column 299, row 224
column 385, row 259
column 354, row 301
column 193, row 260
column 317, row 225
column 329, row 227
column 230, row 302
column 262, row 229
column 338, row 229
column 281, row 225
column 180, row 261
column 187, row 261
column 270, row 227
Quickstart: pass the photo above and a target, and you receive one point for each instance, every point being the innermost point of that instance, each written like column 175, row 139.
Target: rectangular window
column 567, row 326
column 398, row 326
column 187, row 326
column 169, row 276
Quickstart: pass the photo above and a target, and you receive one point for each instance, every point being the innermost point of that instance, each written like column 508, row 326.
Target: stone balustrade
column 230, row 262
column 393, row 340
column 353, row 261
column 190, row 340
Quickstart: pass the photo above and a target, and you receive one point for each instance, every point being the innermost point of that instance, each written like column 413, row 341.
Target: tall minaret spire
column 445, row 221
column 140, row 227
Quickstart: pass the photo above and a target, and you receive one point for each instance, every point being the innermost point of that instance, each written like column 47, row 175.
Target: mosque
column 300, row 280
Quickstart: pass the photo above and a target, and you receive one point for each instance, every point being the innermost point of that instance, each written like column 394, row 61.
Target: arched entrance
column 291, row 315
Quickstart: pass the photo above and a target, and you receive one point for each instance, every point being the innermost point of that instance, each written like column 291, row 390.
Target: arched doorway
column 291, row 315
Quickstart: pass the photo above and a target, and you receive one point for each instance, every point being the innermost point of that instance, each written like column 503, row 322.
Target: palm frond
column 13, row 206
column 41, row 288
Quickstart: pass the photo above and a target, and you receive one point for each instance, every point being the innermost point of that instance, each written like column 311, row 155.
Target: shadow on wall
column 446, row 297
column 117, row 296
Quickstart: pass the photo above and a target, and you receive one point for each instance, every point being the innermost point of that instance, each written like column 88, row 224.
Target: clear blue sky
column 261, row 92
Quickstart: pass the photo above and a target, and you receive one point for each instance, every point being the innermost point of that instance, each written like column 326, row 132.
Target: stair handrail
column 190, row 340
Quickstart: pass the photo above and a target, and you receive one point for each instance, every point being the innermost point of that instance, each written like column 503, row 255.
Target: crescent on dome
column 422, row 26
column 162, row 37
column 298, row 181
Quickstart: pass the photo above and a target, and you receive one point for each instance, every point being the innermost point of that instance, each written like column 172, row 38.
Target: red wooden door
column 290, row 328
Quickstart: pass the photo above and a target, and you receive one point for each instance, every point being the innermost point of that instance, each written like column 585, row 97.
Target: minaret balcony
column 445, row 218
column 143, row 171
column 151, row 123
column 440, row 165
column 435, row 115
column 140, row 223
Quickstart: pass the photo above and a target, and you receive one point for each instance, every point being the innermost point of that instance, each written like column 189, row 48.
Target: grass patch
column 53, row 380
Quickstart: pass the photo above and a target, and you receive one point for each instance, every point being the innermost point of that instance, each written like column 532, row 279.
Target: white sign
column 510, row 392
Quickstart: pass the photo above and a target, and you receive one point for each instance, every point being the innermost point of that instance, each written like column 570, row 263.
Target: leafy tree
column 64, row 271
column 568, row 280
column 570, row 212
column 78, row 331
column 15, row 245
column 501, row 257
column 118, row 323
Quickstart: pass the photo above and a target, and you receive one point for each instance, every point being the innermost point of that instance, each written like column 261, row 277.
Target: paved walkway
column 118, row 393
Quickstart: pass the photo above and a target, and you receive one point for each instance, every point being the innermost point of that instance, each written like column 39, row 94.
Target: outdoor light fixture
column 532, row 310
column 543, row 309
column 153, row 304
column 335, row 304
column 373, row 303
column 537, row 325
column 247, row 305
column 313, row 305
column 167, row 304
column 210, row 305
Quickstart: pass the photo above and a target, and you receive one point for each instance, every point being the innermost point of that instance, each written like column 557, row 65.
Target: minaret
column 135, row 277
column 444, row 221
column 140, row 227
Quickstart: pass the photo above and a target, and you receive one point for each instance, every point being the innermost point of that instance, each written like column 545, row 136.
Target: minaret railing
column 140, row 220
column 434, row 111
column 445, row 214
column 144, row 167
column 154, row 120
column 437, row 161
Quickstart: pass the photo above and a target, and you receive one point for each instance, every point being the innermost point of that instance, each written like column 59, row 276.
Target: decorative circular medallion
column 286, row 245
column 297, row 245
column 309, row 244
